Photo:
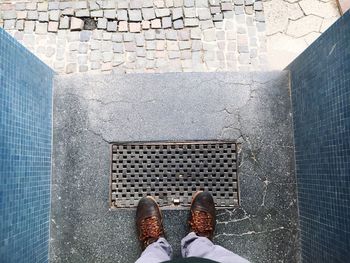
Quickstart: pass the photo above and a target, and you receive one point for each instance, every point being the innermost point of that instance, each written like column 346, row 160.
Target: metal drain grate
column 172, row 172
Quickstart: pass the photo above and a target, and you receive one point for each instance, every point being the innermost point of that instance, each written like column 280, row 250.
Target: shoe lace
column 201, row 223
column 150, row 229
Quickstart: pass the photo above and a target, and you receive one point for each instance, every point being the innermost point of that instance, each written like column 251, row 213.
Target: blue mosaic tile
column 320, row 82
column 25, row 153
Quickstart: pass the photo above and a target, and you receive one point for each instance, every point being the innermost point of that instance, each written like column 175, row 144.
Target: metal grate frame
column 172, row 171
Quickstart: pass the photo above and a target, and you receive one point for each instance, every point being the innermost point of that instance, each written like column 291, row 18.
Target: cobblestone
column 125, row 35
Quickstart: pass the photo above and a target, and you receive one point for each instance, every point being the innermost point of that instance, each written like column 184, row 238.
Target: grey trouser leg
column 156, row 252
column 195, row 246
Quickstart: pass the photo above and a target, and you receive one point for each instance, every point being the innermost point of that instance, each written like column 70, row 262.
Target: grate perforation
column 172, row 172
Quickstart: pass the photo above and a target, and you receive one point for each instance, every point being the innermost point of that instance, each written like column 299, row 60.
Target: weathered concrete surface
column 91, row 111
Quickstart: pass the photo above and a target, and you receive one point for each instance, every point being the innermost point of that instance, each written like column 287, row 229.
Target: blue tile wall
column 320, row 84
column 25, row 153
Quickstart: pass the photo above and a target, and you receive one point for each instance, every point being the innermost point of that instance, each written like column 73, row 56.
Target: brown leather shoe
column 202, row 215
column 148, row 221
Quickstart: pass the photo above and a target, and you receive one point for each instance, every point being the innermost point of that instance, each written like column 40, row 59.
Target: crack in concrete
column 250, row 233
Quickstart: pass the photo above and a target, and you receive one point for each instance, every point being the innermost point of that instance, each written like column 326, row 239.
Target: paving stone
column 68, row 12
column 218, row 17
column 106, row 46
column 106, row 35
column 156, row 23
column 76, row 24
column 71, row 68
column 135, row 4
column 173, row 54
column 148, row 13
column 53, row 26
column 209, row 34
column 32, row 15
column 150, row 35
column 146, row 25
column 150, row 45
column 162, row 12
column 122, row 15
column 231, row 35
column 202, row 3
column 10, row 24
column 20, row 6
column 83, row 49
column 96, row 13
column 32, row 6
column 204, row 13
column 190, row 12
column 249, row 10
column 64, row 22
column 130, row 46
column 191, row 22
column 159, row 3
column 196, row 33
column 147, row 3
column 188, row 3
column 304, row 25
column 140, row 52
column 178, row 3
column 102, row 23
column 41, row 28
column 238, row 2
column 249, row 2
column 139, row 40
column 160, row 34
column 258, row 6
column 186, row 54
column 177, row 13
column 206, row 24
column 184, row 45
column 66, row 5
column 259, row 16
column 123, row 26
column 239, row 10
column 240, row 19
column 171, row 35
column 107, row 56
column 95, row 44
column 10, row 14
column 109, row 4
column 82, row 13
column 166, row 22
column 118, row 48
column 80, row 5
column 20, row 25
column 215, row 9
column 22, row 14
column 43, row 17
column 112, row 26
column 110, row 14
column 123, row 4
column 319, row 8
column 172, row 45
column 54, row 15
column 178, row 24
column 135, row 15
column 74, row 46
column 95, row 65
column 85, row 35
column 160, row 45
column 228, row 14
column 227, row 6
column 244, row 58
column 135, row 27
column 73, row 36
column 184, row 34
column 219, row 25
column 117, row 37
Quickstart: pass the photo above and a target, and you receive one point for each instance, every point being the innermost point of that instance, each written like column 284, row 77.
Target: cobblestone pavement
column 292, row 25
column 167, row 35
column 142, row 36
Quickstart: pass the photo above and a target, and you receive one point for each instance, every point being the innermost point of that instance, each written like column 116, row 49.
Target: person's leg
column 150, row 230
column 156, row 252
column 202, row 224
column 196, row 246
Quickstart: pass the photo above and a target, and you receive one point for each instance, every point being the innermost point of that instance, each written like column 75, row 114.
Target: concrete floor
column 92, row 111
